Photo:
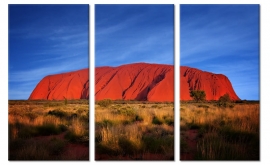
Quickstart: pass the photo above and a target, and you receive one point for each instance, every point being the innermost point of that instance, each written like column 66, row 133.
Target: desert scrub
column 158, row 140
column 37, row 149
column 203, row 106
column 58, row 113
column 31, row 123
column 225, row 101
column 224, row 133
column 104, row 103
column 126, row 131
column 230, row 147
column 157, row 121
column 169, row 120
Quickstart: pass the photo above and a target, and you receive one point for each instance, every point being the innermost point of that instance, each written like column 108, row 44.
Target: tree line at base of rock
column 200, row 96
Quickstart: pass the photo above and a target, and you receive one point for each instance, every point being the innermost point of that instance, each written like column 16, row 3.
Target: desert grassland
column 134, row 131
column 47, row 130
column 222, row 133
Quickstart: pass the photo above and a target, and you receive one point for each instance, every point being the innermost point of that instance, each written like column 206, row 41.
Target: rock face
column 139, row 81
column 214, row 85
column 70, row 85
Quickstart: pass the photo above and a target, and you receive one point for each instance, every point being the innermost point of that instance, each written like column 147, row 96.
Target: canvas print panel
column 48, row 115
column 134, row 82
column 219, row 82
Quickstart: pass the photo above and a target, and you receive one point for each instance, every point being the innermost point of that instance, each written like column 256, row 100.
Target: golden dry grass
column 123, row 131
column 32, row 119
column 223, row 133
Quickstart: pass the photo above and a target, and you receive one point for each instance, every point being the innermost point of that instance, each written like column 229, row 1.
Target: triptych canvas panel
column 134, row 82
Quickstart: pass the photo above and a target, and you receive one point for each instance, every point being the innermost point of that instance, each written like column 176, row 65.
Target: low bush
column 156, row 121
column 106, row 123
column 72, row 137
column 105, row 149
column 127, row 111
column 58, row 113
column 203, row 106
column 32, row 116
column 158, row 144
column 156, row 106
column 128, row 147
column 138, row 118
column 49, row 129
column 198, row 95
column 169, row 121
column 104, row 103
column 225, row 101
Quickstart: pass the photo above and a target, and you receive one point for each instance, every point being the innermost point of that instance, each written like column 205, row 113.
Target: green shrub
column 225, row 101
column 72, row 137
column 156, row 121
column 127, row 122
column 104, row 103
column 106, row 123
column 106, row 149
column 158, row 144
column 49, row 129
column 98, row 137
column 26, row 131
column 203, row 106
column 58, row 113
column 156, row 106
column 198, row 95
column 169, row 121
column 138, row 118
column 85, row 118
column 194, row 125
column 128, row 147
column 127, row 111
column 62, row 128
column 32, row 116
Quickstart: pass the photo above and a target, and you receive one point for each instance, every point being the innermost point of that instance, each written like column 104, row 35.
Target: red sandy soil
column 191, row 140
column 138, row 81
column 147, row 156
column 73, row 151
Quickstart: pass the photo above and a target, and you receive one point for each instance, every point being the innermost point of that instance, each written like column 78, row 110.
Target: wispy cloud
column 148, row 48
column 40, row 72
column 130, row 36
column 23, row 82
column 103, row 28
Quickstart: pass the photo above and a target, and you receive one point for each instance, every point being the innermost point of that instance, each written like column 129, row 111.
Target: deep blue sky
column 45, row 40
column 134, row 33
column 223, row 39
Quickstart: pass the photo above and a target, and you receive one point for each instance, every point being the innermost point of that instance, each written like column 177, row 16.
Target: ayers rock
column 138, row 81
column 214, row 85
column 70, row 85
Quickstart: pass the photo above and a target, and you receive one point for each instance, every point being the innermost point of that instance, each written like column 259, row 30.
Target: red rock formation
column 139, row 81
column 70, row 85
column 214, row 85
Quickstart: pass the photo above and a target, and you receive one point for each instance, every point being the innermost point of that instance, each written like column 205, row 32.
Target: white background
column 264, row 76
